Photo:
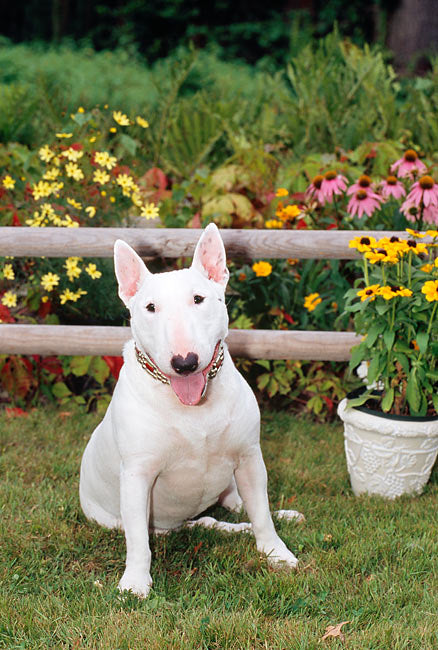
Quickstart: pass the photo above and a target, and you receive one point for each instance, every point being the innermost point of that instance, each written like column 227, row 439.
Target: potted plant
column 391, row 425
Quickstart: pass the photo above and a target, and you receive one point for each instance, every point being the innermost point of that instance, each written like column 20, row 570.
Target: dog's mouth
column 191, row 387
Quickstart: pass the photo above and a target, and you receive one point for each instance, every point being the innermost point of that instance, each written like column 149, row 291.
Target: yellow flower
column 392, row 292
column 74, row 171
column 121, row 118
column 81, row 109
column 49, row 281
column 41, row 189
column 362, row 244
column 432, row 233
column 45, row 153
column 149, row 211
column 382, row 255
column 416, row 247
column 9, row 299
column 51, row 174
column 72, row 154
column 73, row 270
column 416, row 233
column 8, row 272
column 142, row 122
column 67, row 295
column 430, row 290
column 92, row 271
column 125, row 181
column 91, row 211
column 312, row 301
column 288, row 212
column 64, row 135
column 282, row 191
column 427, row 268
column 74, row 203
column 113, row 129
column 8, row 182
column 104, row 159
column 369, row 292
column 92, row 139
column 101, row 177
column 273, row 223
column 262, row 269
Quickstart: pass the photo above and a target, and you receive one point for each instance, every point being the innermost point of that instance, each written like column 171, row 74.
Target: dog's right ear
column 130, row 270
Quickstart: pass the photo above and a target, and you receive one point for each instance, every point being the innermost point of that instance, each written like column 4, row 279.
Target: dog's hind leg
column 230, row 498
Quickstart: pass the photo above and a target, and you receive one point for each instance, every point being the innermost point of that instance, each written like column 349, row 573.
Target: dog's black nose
column 185, row 366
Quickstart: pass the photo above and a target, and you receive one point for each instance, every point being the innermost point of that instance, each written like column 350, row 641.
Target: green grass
column 363, row 560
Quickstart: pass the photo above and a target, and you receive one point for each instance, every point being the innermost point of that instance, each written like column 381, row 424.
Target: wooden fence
column 171, row 243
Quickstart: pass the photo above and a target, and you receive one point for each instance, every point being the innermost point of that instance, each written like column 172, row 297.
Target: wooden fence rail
column 247, row 244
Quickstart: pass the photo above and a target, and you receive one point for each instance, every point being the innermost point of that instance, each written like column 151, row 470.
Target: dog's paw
column 290, row 515
column 279, row 556
column 138, row 584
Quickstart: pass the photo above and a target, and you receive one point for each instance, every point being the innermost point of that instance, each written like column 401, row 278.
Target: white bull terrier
column 182, row 429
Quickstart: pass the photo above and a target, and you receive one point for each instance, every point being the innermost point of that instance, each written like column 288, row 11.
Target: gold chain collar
column 153, row 370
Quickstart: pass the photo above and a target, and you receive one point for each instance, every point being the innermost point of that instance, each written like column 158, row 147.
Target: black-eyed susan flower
column 362, row 244
column 262, row 269
column 430, row 290
column 387, row 256
column 369, row 293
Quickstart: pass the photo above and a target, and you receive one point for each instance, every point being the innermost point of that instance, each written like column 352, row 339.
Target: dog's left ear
column 210, row 257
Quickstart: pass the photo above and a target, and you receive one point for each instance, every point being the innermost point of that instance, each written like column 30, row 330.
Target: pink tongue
column 188, row 389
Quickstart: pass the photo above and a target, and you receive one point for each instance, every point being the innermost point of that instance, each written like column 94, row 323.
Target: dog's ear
column 130, row 270
column 210, row 257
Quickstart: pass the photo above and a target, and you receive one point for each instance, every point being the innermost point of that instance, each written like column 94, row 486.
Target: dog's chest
column 197, row 471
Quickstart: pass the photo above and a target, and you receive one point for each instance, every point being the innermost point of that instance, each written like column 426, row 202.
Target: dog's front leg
column 135, row 490
column 251, row 479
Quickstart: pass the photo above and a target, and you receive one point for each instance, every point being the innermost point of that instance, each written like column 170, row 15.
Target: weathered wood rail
column 247, row 244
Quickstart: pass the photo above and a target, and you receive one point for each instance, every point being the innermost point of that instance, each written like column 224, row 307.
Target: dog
column 181, row 432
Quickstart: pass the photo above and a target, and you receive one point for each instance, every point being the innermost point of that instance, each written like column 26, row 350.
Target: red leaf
column 301, row 224
column 14, row 412
column 15, row 220
column 5, row 315
column 288, row 317
column 52, row 365
column 114, row 364
column 44, row 309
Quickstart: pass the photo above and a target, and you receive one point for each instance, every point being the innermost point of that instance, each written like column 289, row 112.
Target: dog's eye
column 150, row 307
column 198, row 299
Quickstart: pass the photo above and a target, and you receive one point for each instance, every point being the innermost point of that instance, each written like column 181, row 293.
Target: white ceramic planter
column 389, row 457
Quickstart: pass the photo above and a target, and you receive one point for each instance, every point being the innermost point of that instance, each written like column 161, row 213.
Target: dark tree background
column 246, row 29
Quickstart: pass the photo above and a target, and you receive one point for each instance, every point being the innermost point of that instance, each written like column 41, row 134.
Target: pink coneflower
column 333, row 183
column 409, row 164
column 363, row 202
column 364, row 184
column 392, row 187
column 423, row 192
column 314, row 190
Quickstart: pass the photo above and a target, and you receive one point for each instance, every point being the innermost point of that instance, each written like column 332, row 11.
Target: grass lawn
column 363, row 560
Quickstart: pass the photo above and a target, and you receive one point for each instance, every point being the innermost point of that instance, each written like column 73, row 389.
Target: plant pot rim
column 387, row 416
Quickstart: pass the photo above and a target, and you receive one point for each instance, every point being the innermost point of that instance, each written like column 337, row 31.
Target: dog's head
column 178, row 318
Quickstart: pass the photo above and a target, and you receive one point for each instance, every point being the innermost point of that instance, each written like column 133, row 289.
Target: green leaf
column 388, row 338
column 264, row 363
column 373, row 369
column 361, row 399
column 263, row 381
column 358, row 354
column 60, row 390
column 79, row 365
column 413, row 392
column 99, row 370
column 373, row 333
column 387, row 400
column 422, row 339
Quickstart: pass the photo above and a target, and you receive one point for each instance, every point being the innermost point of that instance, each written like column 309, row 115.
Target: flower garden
column 113, row 166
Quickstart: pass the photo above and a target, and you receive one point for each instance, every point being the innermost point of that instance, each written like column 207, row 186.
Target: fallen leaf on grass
column 14, row 412
column 334, row 631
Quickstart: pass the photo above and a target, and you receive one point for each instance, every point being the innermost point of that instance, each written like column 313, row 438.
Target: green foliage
column 396, row 316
